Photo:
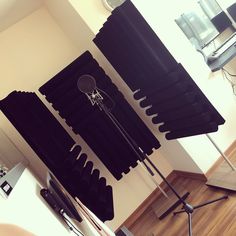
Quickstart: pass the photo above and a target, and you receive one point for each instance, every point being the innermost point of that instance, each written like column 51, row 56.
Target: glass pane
column 210, row 7
column 187, row 30
column 197, row 26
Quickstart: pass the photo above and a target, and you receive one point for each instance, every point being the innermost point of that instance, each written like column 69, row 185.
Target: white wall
column 9, row 153
column 32, row 51
column 71, row 22
column 12, row 11
column 93, row 13
column 225, row 3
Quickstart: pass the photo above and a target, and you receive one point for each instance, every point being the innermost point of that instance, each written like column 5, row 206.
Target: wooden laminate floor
column 217, row 219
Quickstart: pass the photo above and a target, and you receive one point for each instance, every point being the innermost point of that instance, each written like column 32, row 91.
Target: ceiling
column 12, row 11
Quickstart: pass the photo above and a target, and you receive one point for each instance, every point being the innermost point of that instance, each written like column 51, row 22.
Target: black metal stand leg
column 178, row 212
column 177, row 203
column 190, row 209
column 209, row 202
column 203, row 204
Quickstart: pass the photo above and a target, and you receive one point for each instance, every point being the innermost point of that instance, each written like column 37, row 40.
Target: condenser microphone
column 87, row 84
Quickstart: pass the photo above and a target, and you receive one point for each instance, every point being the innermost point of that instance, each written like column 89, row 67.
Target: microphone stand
column 187, row 208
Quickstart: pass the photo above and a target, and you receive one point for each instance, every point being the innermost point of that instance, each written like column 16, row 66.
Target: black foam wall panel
column 164, row 87
column 81, row 180
column 127, row 37
column 38, row 127
column 93, row 125
column 53, row 145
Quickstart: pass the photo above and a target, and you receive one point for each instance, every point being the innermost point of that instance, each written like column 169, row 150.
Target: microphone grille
column 86, row 83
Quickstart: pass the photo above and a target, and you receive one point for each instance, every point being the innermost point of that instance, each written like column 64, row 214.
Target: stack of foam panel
column 93, row 125
column 164, row 87
column 54, row 146
column 38, row 127
column 83, row 181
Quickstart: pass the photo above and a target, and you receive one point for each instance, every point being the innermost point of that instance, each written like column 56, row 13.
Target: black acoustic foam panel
column 92, row 124
column 121, row 38
column 53, row 145
column 38, row 126
column 83, row 181
column 165, row 88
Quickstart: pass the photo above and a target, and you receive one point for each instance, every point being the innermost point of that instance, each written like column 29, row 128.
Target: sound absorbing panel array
column 166, row 89
column 92, row 124
column 54, row 147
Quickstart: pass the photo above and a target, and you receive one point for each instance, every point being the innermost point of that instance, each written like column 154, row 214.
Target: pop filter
column 86, row 83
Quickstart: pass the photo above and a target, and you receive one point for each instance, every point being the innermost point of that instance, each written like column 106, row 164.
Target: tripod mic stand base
column 164, row 206
column 189, row 209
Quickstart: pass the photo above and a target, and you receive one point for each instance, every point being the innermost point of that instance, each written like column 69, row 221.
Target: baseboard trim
column 190, row 175
column 147, row 202
column 157, row 193
column 171, row 177
column 228, row 152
